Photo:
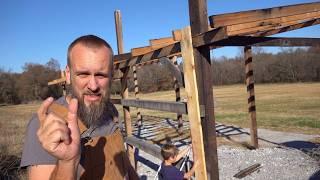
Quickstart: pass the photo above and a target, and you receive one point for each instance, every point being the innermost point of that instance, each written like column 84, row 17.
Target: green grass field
column 286, row 107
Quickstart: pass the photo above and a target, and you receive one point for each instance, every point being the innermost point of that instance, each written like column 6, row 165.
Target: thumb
column 73, row 120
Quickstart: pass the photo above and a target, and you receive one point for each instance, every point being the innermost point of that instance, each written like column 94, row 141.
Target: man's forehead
column 82, row 52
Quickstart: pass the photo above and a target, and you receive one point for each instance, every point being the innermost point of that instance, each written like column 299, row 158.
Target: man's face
column 90, row 76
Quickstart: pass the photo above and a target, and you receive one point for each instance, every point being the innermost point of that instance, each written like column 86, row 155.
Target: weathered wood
column 176, row 34
column 267, row 41
column 256, row 15
column 124, row 87
column 199, row 24
column 121, row 57
column 141, row 50
column 156, row 54
column 115, row 101
column 251, row 96
column 149, row 148
column 176, row 107
column 286, row 28
column 193, row 103
column 161, row 41
column 136, row 94
column 268, row 27
column 272, row 22
column 245, row 172
column 209, row 37
column 177, row 92
column 57, row 81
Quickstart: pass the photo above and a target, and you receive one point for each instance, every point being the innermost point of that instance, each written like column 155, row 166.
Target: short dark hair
column 90, row 41
column 169, row 150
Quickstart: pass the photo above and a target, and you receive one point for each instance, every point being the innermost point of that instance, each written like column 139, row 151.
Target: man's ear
column 68, row 75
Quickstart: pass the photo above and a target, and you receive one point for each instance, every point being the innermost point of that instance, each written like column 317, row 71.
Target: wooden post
column 136, row 93
column 178, row 98
column 124, row 86
column 251, row 97
column 199, row 24
column 193, row 103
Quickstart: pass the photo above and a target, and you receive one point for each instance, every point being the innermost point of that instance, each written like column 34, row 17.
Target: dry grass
column 286, row 107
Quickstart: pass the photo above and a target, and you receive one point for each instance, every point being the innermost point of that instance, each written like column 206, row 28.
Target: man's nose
column 93, row 84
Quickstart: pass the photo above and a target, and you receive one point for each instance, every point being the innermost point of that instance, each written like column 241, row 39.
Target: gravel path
column 282, row 155
column 277, row 163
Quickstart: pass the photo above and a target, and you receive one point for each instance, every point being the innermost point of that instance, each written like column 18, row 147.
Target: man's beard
column 91, row 115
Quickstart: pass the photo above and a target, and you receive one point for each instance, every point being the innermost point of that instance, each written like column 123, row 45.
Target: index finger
column 42, row 111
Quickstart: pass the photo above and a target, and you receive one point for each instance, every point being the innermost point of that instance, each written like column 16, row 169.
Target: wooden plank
column 57, row 81
column 141, row 50
column 267, row 41
column 121, row 57
column 165, row 40
column 124, row 87
column 267, row 27
column 274, row 21
column 115, row 101
column 209, row 37
column 149, row 148
column 156, row 54
column 193, row 103
column 256, row 15
column 199, row 24
column 287, row 28
column 176, row 34
column 176, row 107
column 174, row 49
column 251, row 96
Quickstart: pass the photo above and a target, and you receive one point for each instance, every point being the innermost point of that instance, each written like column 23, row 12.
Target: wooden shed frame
column 247, row 28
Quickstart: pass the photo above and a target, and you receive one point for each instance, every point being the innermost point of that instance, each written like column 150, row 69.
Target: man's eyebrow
column 82, row 72
column 106, row 74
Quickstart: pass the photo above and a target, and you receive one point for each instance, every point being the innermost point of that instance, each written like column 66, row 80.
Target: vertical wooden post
column 251, row 97
column 193, row 103
column 136, row 93
column 199, row 24
column 178, row 97
column 124, row 86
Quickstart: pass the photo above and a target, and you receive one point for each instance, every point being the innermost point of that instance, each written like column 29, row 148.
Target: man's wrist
column 66, row 169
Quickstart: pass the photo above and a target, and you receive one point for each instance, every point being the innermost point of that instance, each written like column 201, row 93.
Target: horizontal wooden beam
column 174, row 49
column 209, row 37
column 115, row 101
column 175, row 107
column 261, row 14
column 271, row 23
column 156, row 42
column 287, row 28
column 149, row 148
column 156, row 54
column 121, row 57
column 57, row 81
column 267, row 41
column 267, row 27
column 141, row 50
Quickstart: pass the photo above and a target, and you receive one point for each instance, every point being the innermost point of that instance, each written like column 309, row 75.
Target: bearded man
column 53, row 146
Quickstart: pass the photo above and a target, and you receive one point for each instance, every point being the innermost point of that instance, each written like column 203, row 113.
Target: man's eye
column 100, row 76
column 83, row 75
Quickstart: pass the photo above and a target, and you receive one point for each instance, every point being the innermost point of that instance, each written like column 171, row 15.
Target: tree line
column 31, row 84
column 288, row 65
